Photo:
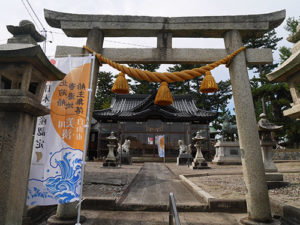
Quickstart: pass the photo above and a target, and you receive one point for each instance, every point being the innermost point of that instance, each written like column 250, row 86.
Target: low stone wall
column 286, row 154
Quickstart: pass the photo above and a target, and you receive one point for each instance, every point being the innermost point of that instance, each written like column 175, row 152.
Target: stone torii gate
column 233, row 29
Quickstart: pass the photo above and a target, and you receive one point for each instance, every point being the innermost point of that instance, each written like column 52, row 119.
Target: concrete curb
column 111, row 204
column 289, row 214
column 215, row 204
column 126, row 191
column 195, row 189
column 36, row 214
column 95, row 203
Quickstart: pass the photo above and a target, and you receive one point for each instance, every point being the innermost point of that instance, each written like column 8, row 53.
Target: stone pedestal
column 227, row 153
column 247, row 221
column 273, row 177
column 15, row 157
column 110, row 160
column 24, row 69
column 199, row 161
column 66, row 214
column 125, row 159
column 184, row 159
column 267, row 151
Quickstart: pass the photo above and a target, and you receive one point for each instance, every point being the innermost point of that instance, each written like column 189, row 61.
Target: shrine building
column 137, row 118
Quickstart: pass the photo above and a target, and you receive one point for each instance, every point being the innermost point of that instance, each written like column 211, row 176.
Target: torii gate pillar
column 258, row 204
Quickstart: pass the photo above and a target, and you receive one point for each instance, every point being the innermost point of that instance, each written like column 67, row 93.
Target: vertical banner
column 150, row 140
column 160, row 141
column 55, row 173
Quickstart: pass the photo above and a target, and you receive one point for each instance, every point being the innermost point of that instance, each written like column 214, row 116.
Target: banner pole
column 164, row 150
column 86, row 137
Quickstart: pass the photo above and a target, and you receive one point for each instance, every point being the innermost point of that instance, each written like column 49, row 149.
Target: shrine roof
column 140, row 107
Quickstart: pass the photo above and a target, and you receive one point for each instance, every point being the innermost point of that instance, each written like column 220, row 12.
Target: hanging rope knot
column 121, row 85
column 208, row 83
column 164, row 95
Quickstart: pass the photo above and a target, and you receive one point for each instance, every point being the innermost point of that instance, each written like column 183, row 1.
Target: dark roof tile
column 142, row 107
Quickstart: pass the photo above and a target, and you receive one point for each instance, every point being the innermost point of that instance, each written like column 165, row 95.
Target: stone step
column 155, row 218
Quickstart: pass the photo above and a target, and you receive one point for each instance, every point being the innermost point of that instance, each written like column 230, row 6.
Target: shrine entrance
column 233, row 29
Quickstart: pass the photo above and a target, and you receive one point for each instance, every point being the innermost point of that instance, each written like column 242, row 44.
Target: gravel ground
column 233, row 187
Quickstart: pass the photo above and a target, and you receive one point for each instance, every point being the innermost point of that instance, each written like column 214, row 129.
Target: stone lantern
column 289, row 72
column 24, row 70
column 110, row 159
column 265, row 128
column 199, row 161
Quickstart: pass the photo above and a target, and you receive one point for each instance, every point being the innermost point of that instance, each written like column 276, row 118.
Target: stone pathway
column 107, row 183
column 152, row 186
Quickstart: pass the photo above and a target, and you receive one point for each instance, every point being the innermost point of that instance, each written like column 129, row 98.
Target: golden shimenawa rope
column 166, row 76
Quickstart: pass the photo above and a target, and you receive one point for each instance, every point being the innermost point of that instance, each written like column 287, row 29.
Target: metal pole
column 173, row 210
column 45, row 42
column 86, row 138
column 170, row 211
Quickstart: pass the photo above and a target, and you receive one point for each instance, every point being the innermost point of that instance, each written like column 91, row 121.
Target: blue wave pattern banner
column 55, row 172
column 64, row 187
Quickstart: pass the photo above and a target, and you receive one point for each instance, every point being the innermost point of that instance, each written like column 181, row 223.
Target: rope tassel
column 208, row 84
column 121, row 85
column 164, row 95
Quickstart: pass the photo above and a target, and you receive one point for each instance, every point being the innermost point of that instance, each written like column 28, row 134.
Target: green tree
column 284, row 53
column 144, row 87
column 103, row 92
column 268, row 40
column 273, row 97
column 291, row 25
column 187, row 86
column 217, row 101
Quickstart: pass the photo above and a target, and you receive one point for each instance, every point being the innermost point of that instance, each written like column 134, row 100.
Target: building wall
column 142, row 136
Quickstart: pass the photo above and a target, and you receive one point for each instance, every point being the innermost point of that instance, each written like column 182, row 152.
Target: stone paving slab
column 157, row 218
column 152, row 187
column 108, row 183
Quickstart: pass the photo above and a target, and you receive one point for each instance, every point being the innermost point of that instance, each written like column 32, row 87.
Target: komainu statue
column 184, row 148
column 185, row 153
column 123, row 153
column 124, row 148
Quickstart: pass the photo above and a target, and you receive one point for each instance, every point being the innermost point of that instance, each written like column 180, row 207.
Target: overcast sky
column 13, row 11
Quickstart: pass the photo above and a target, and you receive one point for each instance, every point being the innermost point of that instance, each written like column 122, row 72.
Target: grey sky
column 13, row 11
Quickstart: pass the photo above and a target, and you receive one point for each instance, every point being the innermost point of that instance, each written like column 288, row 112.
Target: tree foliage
column 274, row 97
column 213, row 102
column 268, row 40
column 291, row 25
column 284, row 53
column 103, row 91
column 144, row 87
